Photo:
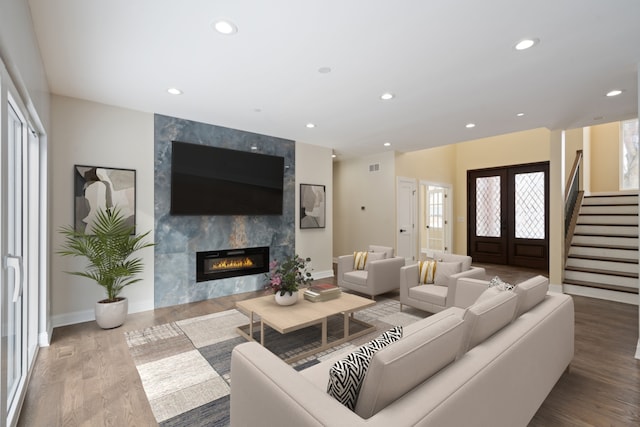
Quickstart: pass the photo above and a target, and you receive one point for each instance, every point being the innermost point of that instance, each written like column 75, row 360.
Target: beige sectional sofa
column 492, row 364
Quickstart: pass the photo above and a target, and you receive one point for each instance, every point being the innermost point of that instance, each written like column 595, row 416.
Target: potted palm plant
column 108, row 251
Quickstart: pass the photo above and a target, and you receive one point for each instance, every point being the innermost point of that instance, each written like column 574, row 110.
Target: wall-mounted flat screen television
column 209, row 180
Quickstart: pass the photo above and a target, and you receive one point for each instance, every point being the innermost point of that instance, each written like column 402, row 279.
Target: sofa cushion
column 486, row 317
column 489, row 293
column 427, row 272
column 403, row 365
column 445, row 269
column 464, row 259
column 430, row 293
column 374, row 256
column 360, row 260
column 530, row 293
column 357, row 277
column 346, row 375
column 388, row 250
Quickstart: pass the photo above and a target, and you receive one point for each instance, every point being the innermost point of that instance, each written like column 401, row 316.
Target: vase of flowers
column 286, row 277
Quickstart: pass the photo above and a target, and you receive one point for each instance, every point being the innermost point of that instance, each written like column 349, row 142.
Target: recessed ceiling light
column 224, row 26
column 324, row 70
column 333, row 156
column 614, row 92
column 387, row 96
column 253, row 147
column 470, row 125
column 174, row 91
column 387, row 144
column 520, row 114
column 526, row 44
column 310, row 125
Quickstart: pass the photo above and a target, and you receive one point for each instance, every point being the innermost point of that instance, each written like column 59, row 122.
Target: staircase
column 603, row 256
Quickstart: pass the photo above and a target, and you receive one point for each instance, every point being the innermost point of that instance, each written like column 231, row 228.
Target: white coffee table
column 304, row 313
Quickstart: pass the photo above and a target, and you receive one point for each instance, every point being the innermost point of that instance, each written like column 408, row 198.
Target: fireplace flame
column 232, row 263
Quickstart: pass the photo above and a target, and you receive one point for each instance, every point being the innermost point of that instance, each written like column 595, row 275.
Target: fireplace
column 225, row 263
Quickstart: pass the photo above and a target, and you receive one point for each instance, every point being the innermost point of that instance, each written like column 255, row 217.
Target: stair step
column 601, row 286
column 633, row 275
column 605, row 241
column 610, row 219
column 609, row 209
column 606, row 230
column 612, row 199
column 605, row 246
column 604, row 279
column 602, row 252
column 599, row 266
column 604, row 259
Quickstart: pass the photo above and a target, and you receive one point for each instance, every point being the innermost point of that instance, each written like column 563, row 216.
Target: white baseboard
column 65, row 319
column 605, row 294
column 44, row 338
column 316, row 275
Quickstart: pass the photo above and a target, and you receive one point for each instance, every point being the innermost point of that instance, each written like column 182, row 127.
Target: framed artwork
column 313, row 204
column 96, row 188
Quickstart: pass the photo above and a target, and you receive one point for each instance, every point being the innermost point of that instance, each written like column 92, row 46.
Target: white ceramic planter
column 287, row 299
column 111, row 314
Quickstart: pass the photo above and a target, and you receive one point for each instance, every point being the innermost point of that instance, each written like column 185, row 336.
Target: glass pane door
column 13, row 260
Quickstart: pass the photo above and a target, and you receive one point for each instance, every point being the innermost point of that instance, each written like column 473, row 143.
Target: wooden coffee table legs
column 247, row 332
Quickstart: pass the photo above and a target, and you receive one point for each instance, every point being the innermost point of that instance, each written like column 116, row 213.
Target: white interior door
column 405, row 218
column 435, row 218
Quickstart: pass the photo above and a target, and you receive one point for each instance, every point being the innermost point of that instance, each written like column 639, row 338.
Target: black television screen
column 209, row 180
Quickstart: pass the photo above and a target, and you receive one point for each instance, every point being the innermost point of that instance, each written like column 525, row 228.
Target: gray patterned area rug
column 185, row 366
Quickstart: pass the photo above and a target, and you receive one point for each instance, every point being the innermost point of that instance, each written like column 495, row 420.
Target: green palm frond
column 107, row 251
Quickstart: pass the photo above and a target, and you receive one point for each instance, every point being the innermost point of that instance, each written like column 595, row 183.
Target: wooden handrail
column 572, row 175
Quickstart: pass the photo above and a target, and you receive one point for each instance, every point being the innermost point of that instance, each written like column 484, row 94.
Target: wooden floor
column 87, row 378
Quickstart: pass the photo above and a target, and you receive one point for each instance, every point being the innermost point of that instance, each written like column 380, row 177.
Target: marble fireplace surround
column 178, row 238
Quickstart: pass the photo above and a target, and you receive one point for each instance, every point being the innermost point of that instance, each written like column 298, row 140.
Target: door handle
column 402, row 230
column 15, row 262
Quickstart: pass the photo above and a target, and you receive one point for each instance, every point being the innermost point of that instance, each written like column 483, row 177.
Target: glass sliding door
column 14, row 260
column 23, row 226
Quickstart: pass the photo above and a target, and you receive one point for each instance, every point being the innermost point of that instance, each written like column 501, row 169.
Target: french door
column 508, row 211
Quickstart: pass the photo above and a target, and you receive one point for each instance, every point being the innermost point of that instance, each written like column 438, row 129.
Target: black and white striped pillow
column 346, row 375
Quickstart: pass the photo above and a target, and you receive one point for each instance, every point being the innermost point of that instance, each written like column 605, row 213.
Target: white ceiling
column 449, row 62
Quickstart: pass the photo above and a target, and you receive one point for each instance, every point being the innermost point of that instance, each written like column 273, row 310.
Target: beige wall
column 605, row 155
column 574, row 141
column 355, row 187
column 433, row 165
column 314, row 165
column 87, row 133
column 510, row 149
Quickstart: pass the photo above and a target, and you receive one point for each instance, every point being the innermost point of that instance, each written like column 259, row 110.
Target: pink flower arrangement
column 289, row 275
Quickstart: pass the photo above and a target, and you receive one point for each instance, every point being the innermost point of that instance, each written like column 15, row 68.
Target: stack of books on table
column 322, row 292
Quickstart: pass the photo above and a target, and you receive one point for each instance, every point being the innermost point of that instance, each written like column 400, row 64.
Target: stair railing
column 572, row 200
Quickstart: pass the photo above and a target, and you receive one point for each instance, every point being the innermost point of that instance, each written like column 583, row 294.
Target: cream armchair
column 442, row 293
column 381, row 272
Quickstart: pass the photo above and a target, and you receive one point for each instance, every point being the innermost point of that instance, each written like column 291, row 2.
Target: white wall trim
column 44, row 338
column 556, row 288
column 89, row 315
column 638, row 350
column 605, row 294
